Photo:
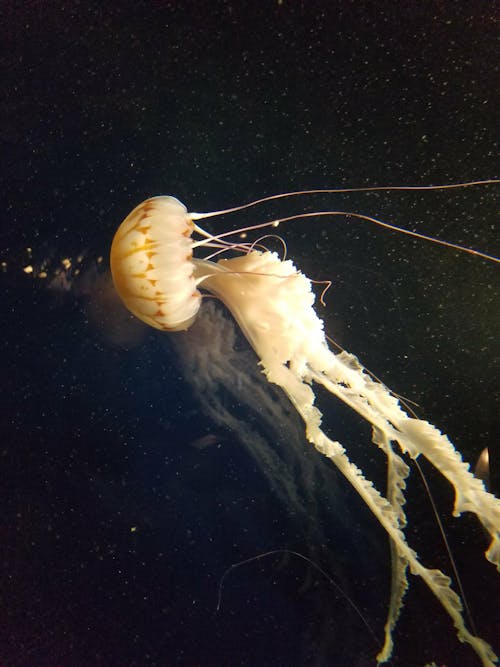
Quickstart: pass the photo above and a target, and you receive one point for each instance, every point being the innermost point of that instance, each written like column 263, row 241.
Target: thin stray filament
column 290, row 552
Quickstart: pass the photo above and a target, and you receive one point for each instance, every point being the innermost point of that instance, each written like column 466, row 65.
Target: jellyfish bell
column 159, row 281
column 151, row 264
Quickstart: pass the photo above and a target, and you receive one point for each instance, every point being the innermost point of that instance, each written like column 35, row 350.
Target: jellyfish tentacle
column 273, row 304
column 376, row 188
column 397, row 473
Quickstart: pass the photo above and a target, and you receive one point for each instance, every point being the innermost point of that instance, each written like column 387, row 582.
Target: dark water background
column 119, row 515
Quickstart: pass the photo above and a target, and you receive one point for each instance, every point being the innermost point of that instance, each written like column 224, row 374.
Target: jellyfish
column 272, row 301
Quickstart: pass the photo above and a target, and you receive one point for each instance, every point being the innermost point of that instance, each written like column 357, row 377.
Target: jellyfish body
column 151, row 263
column 157, row 278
